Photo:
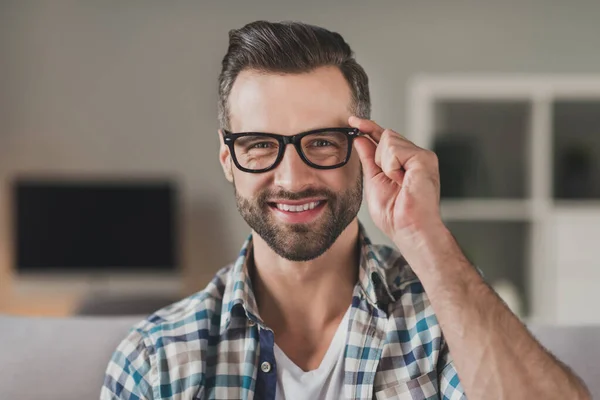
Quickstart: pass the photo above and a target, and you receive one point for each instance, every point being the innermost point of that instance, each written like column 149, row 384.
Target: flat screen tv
column 93, row 226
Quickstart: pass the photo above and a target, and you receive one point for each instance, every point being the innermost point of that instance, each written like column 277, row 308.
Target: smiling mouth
column 298, row 212
column 296, row 208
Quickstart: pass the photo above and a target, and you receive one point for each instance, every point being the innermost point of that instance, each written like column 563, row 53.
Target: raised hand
column 401, row 181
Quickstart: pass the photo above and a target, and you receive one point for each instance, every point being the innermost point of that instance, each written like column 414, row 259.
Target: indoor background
column 127, row 91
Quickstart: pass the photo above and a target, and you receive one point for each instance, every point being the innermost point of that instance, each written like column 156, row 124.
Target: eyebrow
column 245, row 139
column 344, row 125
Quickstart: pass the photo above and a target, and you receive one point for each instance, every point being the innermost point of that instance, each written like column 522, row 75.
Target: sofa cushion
column 576, row 346
column 57, row 358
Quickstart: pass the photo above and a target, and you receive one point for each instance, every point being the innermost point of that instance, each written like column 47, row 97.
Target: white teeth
column 299, row 207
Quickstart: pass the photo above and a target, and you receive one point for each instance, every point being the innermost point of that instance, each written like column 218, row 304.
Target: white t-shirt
column 323, row 383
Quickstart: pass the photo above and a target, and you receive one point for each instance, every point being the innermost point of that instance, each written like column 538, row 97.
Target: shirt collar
column 239, row 299
column 372, row 275
column 238, row 296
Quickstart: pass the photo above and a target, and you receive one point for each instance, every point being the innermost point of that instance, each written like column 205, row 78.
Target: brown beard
column 301, row 242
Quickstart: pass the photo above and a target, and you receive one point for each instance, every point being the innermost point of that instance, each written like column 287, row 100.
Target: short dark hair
column 290, row 47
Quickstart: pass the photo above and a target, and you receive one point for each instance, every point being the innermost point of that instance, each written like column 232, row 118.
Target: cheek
column 342, row 179
column 354, row 167
column 249, row 185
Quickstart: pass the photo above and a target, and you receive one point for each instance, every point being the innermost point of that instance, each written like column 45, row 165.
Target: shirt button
column 251, row 323
column 265, row 367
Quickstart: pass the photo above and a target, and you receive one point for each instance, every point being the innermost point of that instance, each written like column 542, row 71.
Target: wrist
column 428, row 248
column 421, row 235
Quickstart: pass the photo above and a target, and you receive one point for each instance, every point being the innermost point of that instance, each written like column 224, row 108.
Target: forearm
column 494, row 354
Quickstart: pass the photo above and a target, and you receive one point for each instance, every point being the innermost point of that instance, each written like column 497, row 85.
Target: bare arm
column 494, row 354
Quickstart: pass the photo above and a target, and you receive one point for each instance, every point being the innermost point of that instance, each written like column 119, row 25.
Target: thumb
column 366, row 152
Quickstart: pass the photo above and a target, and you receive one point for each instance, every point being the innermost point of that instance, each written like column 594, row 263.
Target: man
column 311, row 309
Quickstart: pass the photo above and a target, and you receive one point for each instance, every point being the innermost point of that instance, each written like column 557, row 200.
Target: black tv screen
column 82, row 226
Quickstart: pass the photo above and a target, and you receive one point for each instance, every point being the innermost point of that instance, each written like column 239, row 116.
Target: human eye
column 321, row 143
column 262, row 145
column 255, row 143
column 325, row 140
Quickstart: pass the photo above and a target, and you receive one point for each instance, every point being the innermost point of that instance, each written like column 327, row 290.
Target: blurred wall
column 129, row 87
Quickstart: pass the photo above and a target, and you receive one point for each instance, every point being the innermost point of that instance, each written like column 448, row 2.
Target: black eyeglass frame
column 229, row 139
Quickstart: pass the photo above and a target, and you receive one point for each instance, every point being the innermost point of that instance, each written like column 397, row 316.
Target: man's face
column 273, row 202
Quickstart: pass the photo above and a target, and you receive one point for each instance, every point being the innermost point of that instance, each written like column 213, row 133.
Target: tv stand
column 61, row 295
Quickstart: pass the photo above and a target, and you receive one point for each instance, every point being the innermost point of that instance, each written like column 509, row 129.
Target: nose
column 292, row 174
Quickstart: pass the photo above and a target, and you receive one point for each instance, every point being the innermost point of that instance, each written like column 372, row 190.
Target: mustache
column 265, row 196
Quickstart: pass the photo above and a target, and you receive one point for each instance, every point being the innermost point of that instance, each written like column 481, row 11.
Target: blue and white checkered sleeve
column 450, row 386
column 129, row 371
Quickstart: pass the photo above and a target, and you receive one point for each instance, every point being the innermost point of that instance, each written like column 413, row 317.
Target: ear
column 225, row 158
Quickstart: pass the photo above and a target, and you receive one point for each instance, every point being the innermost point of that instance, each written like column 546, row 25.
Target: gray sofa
column 64, row 359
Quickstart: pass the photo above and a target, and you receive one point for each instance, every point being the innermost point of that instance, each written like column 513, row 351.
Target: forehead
column 289, row 103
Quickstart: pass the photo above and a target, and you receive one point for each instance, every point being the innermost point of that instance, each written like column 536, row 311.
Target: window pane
column 482, row 148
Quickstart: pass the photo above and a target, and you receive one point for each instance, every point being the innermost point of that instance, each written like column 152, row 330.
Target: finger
column 366, row 126
column 391, row 165
column 380, row 149
column 388, row 139
column 395, row 136
column 366, row 152
column 405, row 150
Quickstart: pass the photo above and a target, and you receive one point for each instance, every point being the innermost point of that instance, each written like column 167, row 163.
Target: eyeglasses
column 257, row 152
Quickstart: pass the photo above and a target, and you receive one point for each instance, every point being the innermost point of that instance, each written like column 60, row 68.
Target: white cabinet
column 576, row 247
column 520, row 173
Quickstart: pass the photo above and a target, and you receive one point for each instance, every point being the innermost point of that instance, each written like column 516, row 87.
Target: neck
column 306, row 294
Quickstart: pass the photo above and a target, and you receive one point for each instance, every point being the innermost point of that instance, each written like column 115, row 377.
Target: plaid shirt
column 214, row 345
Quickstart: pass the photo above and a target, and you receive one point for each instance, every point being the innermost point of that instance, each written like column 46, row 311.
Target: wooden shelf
column 576, row 206
column 60, row 295
column 487, row 210
column 56, row 305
